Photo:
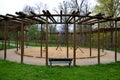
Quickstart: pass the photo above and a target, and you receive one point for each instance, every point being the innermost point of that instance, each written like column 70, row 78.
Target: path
column 11, row 56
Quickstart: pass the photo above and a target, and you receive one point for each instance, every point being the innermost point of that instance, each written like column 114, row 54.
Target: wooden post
column 103, row 41
column 46, row 41
column 90, row 40
column 98, row 42
column 41, row 42
column 67, row 42
column 9, row 39
column 5, row 39
column 2, row 44
column 61, row 16
column 17, row 40
column 115, row 41
column 105, row 45
column 26, row 39
column 22, row 41
column 74, row 44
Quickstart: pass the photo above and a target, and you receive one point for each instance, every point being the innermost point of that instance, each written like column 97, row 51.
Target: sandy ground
column 60, row 52
column 82, row 58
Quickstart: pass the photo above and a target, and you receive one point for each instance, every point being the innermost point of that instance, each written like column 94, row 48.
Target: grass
column 8, row 47
column 35, row 43
column 16, row 71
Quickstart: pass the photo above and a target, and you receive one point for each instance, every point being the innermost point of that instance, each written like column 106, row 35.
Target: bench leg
column 69, row 64
column 50, row 64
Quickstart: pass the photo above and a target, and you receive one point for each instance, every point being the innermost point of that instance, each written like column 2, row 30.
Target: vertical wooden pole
column 9, row 39
column 61, row 16
column 90, row 40
column 22, row 41
column 103, row 41
column 2, row 44
column 5, row 38
column 67, row 42
column 17, row 40
column 115, row 41
column 46, row 41
column 41, row 42
column 98, row 42
column 2, row 24
column 26, row 39
column 74, row 44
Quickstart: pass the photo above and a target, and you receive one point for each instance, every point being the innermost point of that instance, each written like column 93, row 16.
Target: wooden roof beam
column 48, row 15
column 4, row 17
column 51, row 17
column 82, row 17
column 44, row 20
column 23, row 15
column 69, row 18
column 95, row 16
column 19, row 19
column 84, row 20
column 98, row 16
column 73, row 15
column 117, row 19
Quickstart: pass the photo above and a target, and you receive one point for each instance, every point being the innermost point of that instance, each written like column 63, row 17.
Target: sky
column 12, row 6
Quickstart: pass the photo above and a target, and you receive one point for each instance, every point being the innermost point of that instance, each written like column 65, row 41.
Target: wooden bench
column 60, row 60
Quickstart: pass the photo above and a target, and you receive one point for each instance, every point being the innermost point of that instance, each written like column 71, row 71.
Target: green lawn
column 8, row 47
column 35, row 43
column 15, row 71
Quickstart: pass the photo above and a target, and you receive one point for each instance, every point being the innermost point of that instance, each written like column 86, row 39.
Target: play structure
column 88, row 31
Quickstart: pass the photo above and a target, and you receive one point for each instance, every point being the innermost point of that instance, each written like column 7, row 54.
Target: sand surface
column 108, row 56
column 60, row 52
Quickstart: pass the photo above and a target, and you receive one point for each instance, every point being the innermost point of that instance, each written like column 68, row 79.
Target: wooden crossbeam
column 51, row 17
column 44, row 20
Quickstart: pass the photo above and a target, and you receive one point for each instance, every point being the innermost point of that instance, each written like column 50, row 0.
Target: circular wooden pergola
column 19, row 22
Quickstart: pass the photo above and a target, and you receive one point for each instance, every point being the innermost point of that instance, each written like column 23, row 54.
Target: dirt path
column 12, row 56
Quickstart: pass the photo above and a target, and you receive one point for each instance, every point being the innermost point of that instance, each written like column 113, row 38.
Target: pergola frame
column 20, row 20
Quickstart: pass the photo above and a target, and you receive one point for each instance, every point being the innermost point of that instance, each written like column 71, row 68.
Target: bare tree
column 66, row 9
column 27, row 9
column 40, row 6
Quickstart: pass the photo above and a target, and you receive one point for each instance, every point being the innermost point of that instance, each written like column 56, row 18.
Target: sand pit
column 61, row 52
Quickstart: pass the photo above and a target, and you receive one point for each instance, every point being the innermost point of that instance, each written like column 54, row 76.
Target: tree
column 68, row 7
column 36, row 9
column 32, row 32
column 65, row 8
column 52, row 29
column 27, row 9
column 40, row 6
column 108, row 8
